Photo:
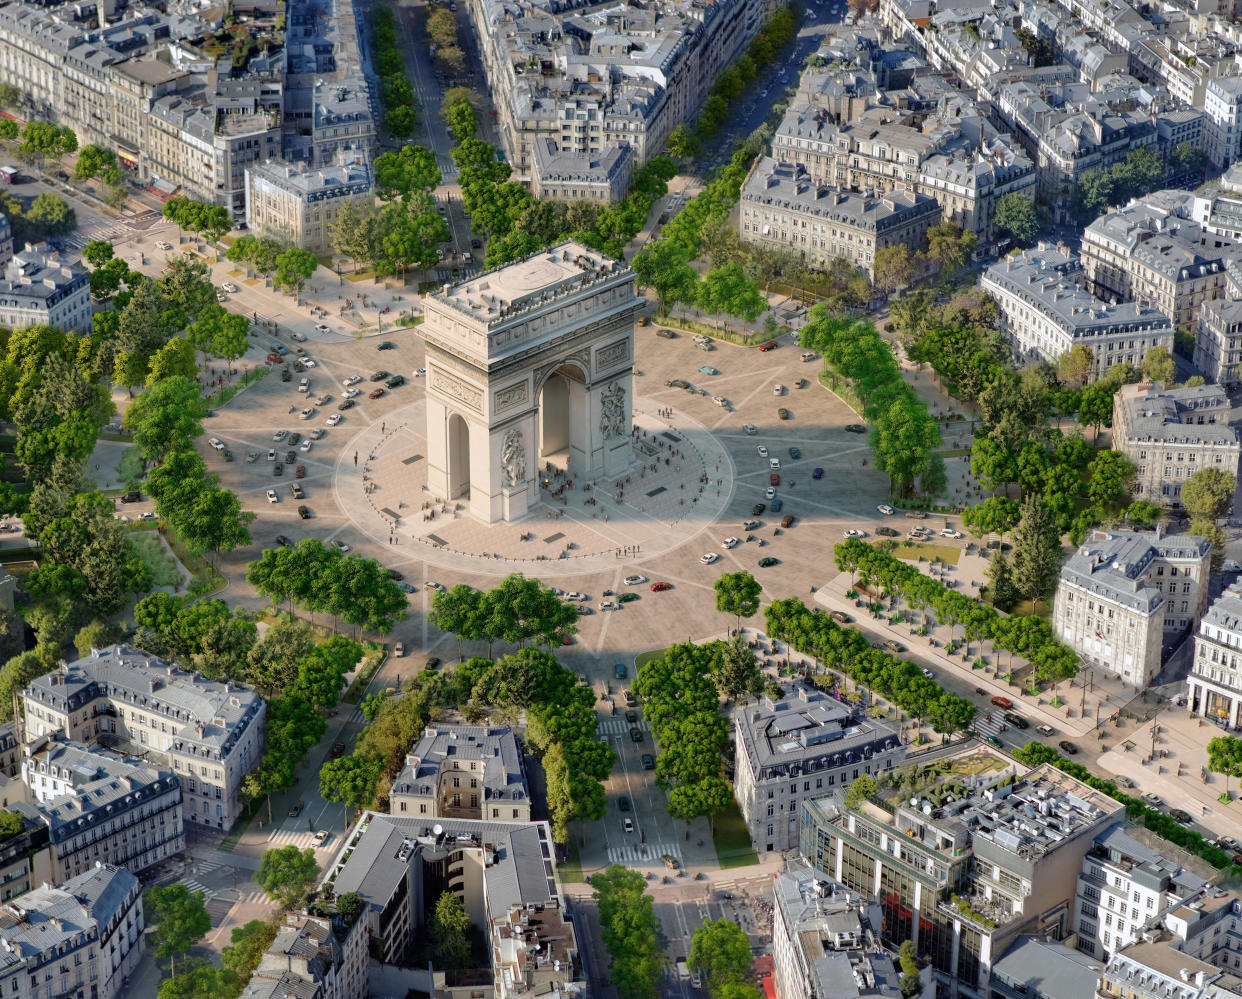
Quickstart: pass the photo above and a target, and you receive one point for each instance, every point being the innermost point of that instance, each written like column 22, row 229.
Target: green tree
column 1074, row 366
column 1000, row 575
column 737, row 674
column 682, row 143
column 410, row 171
column 356, row 232
column 950, row 246
column 720, row 952
column 287, row 874
column 1037, row 550
column 200, row 983
column 447, row 932
column 630, row 931
column 1016, row 217
column 180, row 919
column 174, row 360
column 728, row 290
column 462, row 122
column 97, row 252
column 664, row 267
column 95, row 161
column 909, row 984
column 294, row 268
column 1208, row 494
column 460, row 611
column 1212, row 531
column 1225, row 757
column 10, row 97
column 1158, row 366
column 50, row 215
column 349, row 781
column 247, row 945
column 861, row 788
column 894, row 267
column 737, row 593
column 349, row 904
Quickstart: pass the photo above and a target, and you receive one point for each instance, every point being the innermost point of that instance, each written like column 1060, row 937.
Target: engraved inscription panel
column 514, row 395
column 612, row 354
column 455, row 388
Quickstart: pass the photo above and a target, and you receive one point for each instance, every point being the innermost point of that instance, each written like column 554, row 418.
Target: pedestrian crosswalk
column 286, row 837
column 619, row 726
column 251, row 897
column 106, row 233
column 199, row 886
column 643, row 854
column 989, row 724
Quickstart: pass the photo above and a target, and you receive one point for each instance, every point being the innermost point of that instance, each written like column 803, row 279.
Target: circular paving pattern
column 680, row 481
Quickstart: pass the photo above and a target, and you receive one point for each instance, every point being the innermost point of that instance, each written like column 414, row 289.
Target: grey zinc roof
column 314, row 183
column 1225, row 612
column 55, row 915
column 135, row 678
column 1115, row 838
column 1155, row 415
column 1111, row 564
column 1171, row 246
column 40, row 277
column 503, row 778
column 521, row 869
column 1046, row 969
column 287, row 986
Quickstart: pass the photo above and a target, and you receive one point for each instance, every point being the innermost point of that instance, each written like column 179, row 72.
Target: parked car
column 1068, row 747
column 885, row 509
column 888, row 645
column 1045, row 730
column 855, row 428
column 1181, row 815
column 784, row 414
column 305, row 512
column 887, row 532
column 1003, row 702
column 768, row 561
column 635, row 580
column 660, row 587
column 788, row 520
column 379, row 376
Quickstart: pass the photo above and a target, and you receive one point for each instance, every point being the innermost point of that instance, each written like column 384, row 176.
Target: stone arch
column 458, row 457
column 564, row 433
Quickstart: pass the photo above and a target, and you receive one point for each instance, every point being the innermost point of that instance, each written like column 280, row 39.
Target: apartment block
column 1218, row 341
column 1141, row 254
column 602, row 177
column 1045, row 313
column 300, row 204
column 1123, row 887
column 81, row 938
column 963, row 858
column 826, row 940
column 313, row 957
column 783, row 209
column 1214, row 686
column 40, row 288
column 463, row 772
column 1121, row 592
column 805, row 745
column 209, row 734
column 1172, row 433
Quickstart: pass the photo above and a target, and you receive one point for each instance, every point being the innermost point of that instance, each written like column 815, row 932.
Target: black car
column 476, row 244
column 1068, row 748
column 278, row 469
column 385, row 345
column 631, row 717
column 393, row 574
column 283, row 541
column 395, row 380
column 379, row 376
column 290, row 457
column 636, row 734
column 304, row 512
column 345, row 404
column 757, row 509
column 294, row 439
column 1016, row 720
column 133, row 496
column 1180, row 815
column 648, row 762
column 623, row 803
column 227, row 454
column 888, row 532
column 285, row 375
column 855, row 428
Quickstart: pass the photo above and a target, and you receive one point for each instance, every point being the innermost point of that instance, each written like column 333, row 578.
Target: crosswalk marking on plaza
column 635, row 854
column 197, row 886
column 984, row 727
column 254, row 896
column 283, row 837
column 619, row 726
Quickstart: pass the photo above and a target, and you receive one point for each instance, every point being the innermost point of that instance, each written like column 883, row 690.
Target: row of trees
column 42, row 139
column 49, row 216
column 1100, row 189
column 211, row 221
column 847, row 650
column 904, row 436
column 778, row 32
column 681, row 704
column 948, row 245
column 442, row 28
column 97, row 161
column 720, row 954
column 321, row 580
column 396, row 92
column 290, row 267
column 631, row 932
column 518, row 610
column 1029, row 636
column 665, row 267
column 459, row 114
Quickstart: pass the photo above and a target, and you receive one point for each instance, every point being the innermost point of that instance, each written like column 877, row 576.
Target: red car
column 774, row 479
column 376, row 394
column 659, row 587
column 1002, row 702
column 275, row 358
column 338, row 750
column 770, row 345
column 299, row 472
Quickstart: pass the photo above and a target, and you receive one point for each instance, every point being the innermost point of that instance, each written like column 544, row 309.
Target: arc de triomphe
column 529, row 364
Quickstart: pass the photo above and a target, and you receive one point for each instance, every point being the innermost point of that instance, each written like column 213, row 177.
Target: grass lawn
column 164, row 568
column 732, row 841
column 916, row 550
column 643, row 658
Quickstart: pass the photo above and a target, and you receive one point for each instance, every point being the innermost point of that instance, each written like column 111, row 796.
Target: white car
column 750, row 428
column 1229, row 565
column 420, row 372
column 324, row 328
column 334, row 419
column 271, row 454
column 306, row 445
column 280, row 435
column 308, row 362
column 730, row 543
column 322, row 837
column 774, row 464
column 709, row 558
column 928, row 673
column 808, row 355
column 304, row 385
column 340, row 546
column 720, row 401
column 352, row 380
column 318, row 434
column 216, row 443
column 230, row 287
column 576, row 596
column 885, row 509
column 763, row 451
column 163, row 244
column 352, row 393
column 854, row 532
column 635, row 580
column 629, row 825
column 770, row 493
column 948, row 532
column 606, row 605
column 307, row 413
column 323, row 400
column 431, row 584
column 778, row 389
column 272, row 497
column 299, row 337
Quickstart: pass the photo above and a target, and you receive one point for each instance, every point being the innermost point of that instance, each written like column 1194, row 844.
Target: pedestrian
column 355, row 459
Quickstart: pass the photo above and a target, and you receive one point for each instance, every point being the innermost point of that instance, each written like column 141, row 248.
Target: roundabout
column 679, row 481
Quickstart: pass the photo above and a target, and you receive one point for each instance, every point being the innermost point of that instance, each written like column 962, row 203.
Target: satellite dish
column 438, row 829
